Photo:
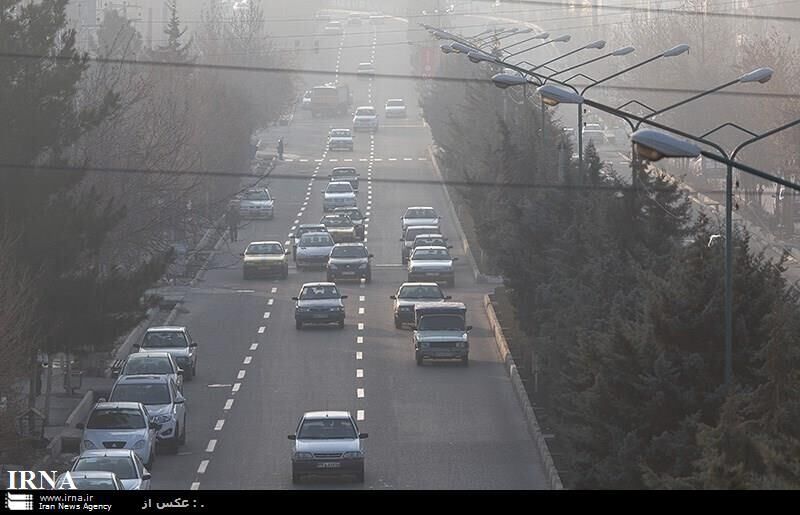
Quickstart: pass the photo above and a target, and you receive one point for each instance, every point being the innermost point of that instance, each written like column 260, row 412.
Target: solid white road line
column 212, row 444
column 220, row 423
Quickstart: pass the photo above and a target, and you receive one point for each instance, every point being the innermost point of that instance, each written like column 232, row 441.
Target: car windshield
column 436, row 254
column 420, row 292
column 164, row 339
column 340, row 134
column 264, row 248
column 340, row 188
column 354, row 214
column 365, row 111
column 148, row 365
column 303, row 230
column 255, row 195
column 91, row 483
column 122, row 466
column 349, row 252
column 441, row 323
column 327, row 429
column 116, row 419
column 395, row 103
column 319, row 292
column 413, row 232
column 337, row 221
column 316, row 240
column 148, row 394
column 420, row 213
column 429, row 242
column 344, row 172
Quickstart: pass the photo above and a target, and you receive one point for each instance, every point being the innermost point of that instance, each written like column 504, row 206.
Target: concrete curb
column 479, row 277
column 522, row 396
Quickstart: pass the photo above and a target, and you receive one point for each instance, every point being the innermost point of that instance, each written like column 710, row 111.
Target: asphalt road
column 439, row 426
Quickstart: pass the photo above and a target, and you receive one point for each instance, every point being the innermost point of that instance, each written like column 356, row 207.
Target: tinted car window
column 255, row 195
column 365, row 112
column 147, row 394
column 420, row 292
column 441, row 323
column 83, row 483
column 319, row 292
column 339, row 188
column 430, row 254
column 147, row 366
column 264, row 248
column 420, row 213
column 121, row 466
column 349, row 252
column 164, row 339
column 116, row 419
column 326, row 429
column 316, row 240
column 337, row 221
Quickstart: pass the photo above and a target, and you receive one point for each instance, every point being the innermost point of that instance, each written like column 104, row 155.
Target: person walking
column 280, row 149
column 232, row 219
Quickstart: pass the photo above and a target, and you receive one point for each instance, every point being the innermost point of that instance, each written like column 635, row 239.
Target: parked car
column 177, row 341
column 410, row 234
column 265, row 258
column 355, row 216
column 345, row 174
column 395, row 108
column 163, row 402
column 327, row 442
column 340, row 227
column 256, row 203
column 152, row 363
column 300, row 231
column 89, row 480
column 365, row 118
column 338, row 194
column 350, row 261
column 340, row 139
column 120, row 425
column 313, row 250
column 440, row 332
column 123, row 463
column 408, row 295
column 419, row 215
column 432, row 263
column 319, row 303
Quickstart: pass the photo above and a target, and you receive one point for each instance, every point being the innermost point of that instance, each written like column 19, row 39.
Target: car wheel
column 360, row 475
column 296, row 477
column 465, row 361
column 397, row 323
column 419, row 359
column 368, row 278
column 182, row 439
column 341, row 324
column 188, row 374
column 285, row 274
column 298, row 324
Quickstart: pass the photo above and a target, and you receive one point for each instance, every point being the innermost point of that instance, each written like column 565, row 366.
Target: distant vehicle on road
column 313, row 250
column 90, row 480
column 124, row 463
column 340, row 227
column 429, row 240
column 419, row 215
column 345, row 173
column 408, row 295
column 365, row 69
column 300, row 231
column 177, row 341
column 330, row 99
column 256, row 203
column 432, row 264
column 354, row 19
column 152, row 363
column 340, row 139
column 265, row 258
column 356, row 217
column 338, row 194
column 319, row 303
column 395, row 108
column 327, row 442
column 365, row 118
column 410, row 234
column 440, row 332
column 350, row 261
column 333, row 28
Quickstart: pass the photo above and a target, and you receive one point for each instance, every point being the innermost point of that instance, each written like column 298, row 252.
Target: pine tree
column 174, row 51
column 117, row 38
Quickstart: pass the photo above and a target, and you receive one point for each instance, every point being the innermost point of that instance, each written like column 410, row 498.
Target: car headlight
column 353, row 454
column 303, row 310
column 303, row 456
column 139, row 444
column 337, row 308
column 406, row 308
column 161, row 419
column 362, row 266
column 460, row 345
column 333, row 266
column 424, row 345
column 87, row 444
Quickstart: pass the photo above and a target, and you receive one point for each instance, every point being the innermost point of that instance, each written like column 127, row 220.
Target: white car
column 338, row 194
column 419, row 215
column 365, row 69
column 395, row 108
column 256, row 203
column 340, row 139
column 365, row 118
column 123, row 463
column 121, row 425
column 333, row 28
column 431, row 264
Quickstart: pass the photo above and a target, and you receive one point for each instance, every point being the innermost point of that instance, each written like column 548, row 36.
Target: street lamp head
column 599, row 44
column 655, row 145
column 505, row 80
column 525, row 31
column 446, row 48
column 553, row 95
column 478, row 56
column 623, row 51
column 460, row 48
column 761, row 75
column 562, row 39
column 676, row 50
column 543, row 35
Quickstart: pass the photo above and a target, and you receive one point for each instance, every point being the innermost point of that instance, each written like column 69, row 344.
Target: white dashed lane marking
column 267, row 314
column 361, row 326
column 361, row 298
column 359, row 373
column 220, row 423
column 248, row 360
column 360, row 393
column 212, row 444
column 360, row 415
column 261, row 329
column 359, row 339
column 228, row 404
column 195, row 486
column 203, row 466
column 270, row 302
column 236, row 387
column 359, row 355
column 241, row 374
column 361, row 311
column 253, row 346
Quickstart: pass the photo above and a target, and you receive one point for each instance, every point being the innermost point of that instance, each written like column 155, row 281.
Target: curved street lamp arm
column 590, row 61
column 576, row 76
column 624, row 70
column 562, row 56
column 728, row 124
column 759, row 137
column 690, row 99
column 636, row 102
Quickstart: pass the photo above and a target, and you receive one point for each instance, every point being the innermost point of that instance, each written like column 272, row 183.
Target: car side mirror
column 295, row 298
column 287, row 252
column 448, row 297
column 241, row 254
column 101, row 399
column 454, row 259
column 80, row 425
column 393, row 297
column 402, row 239
column 180, row 372
column 193, row 344
column 146, row 476
column 179, row 400
column 469, row 328
column 292, row 437
column 449, row 246
column 136, row 347
column 372, row 255
column 156, row 426
column 343, row 297
column 363, row 435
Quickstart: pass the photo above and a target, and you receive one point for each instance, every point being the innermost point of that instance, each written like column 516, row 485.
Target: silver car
column 120, row 425
column 177, row 341
column 313, row 250
column 327, row 442
column 90, row 480
column 395, row 108
column 410, row 294
column 164, row 404
column 124, row 463
column 431, row 264
column 419, row 215
column 338, row 194
column 410, row 234
column 153, row 363
column 256, row 203
column 366, row 118
column 340, row 139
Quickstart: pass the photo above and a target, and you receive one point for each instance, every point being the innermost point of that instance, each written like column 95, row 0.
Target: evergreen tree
column 117, row 38
column 174, row 51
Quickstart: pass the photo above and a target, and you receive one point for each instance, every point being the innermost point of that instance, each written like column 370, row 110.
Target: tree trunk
column 48, row 390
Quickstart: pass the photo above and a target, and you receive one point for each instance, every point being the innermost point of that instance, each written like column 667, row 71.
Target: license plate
column 328, row 465
column 320, row 316
column 432, row 274
column 348, row 273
